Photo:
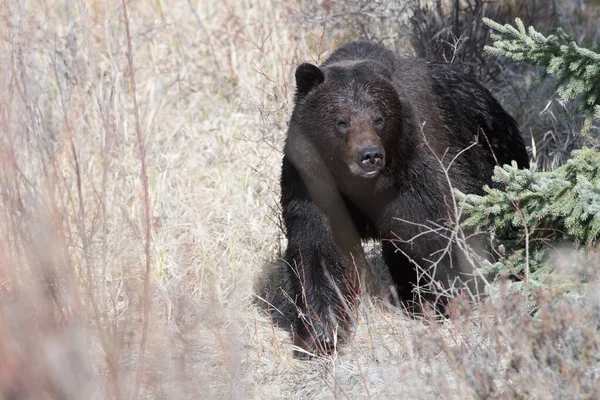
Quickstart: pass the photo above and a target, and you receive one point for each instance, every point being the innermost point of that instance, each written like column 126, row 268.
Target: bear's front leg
column 322, row 290
column 322, row 247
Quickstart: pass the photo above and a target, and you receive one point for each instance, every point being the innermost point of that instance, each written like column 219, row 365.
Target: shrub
column 535, row 212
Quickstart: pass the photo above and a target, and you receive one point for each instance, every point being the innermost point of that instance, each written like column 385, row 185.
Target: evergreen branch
column 556, row 207
column 577, row 68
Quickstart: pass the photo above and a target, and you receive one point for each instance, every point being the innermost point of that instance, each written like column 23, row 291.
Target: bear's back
column 362, row 51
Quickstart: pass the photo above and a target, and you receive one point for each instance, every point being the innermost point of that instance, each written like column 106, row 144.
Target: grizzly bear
column 375, row 145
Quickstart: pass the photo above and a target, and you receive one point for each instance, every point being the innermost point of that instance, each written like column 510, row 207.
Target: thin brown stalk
column 144, row 176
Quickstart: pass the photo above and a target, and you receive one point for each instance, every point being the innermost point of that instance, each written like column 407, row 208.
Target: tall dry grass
column 139, row 162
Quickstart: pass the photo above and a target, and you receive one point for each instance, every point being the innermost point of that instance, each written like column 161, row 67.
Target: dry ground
column 135, row 218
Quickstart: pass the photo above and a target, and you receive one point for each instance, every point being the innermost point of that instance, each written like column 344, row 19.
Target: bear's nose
column 370, row 157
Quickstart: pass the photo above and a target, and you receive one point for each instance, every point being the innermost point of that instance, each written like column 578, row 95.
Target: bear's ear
column 307, row 76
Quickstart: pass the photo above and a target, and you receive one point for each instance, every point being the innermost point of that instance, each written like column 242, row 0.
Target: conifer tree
column 577, row 68
column 535, row 211
column 531, row 212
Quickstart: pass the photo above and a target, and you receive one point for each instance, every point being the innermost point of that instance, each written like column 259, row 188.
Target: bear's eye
column 342, row 126
column 378, row 121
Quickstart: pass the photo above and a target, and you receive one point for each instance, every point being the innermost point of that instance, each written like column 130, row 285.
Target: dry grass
column 135, row 218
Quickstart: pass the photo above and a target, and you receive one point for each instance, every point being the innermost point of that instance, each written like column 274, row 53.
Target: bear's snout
column 364, row 149
column 370, row 159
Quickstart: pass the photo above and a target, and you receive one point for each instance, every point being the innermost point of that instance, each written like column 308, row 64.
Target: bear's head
column 351, row 111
